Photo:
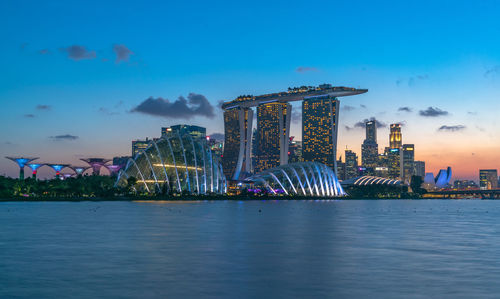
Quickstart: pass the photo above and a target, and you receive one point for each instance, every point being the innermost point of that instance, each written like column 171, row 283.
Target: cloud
column 217, row 136
column 296, row 115
column 348, row 108
column 122, row 53
column 492, row 71
column 471, row 113
column 432, row 112
column 348, row 128
column 77, row 52
column 362, row 125
column 194, row 105
column 29, row 115
column 305, row 69
column 451, row 128
column 405, row 109
column 106, row 111
column 43, row 107
column 412, row 80
column 362, row 106
column 44, row 51
column 64, row 137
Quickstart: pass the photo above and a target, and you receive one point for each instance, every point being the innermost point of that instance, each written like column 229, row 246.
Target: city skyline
column 89, row 96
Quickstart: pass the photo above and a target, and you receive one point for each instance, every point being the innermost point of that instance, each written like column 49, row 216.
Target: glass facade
column 395, row 137
column 237, row 141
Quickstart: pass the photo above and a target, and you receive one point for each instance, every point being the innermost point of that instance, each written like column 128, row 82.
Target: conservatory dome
column 302, row 178
column 175, row 164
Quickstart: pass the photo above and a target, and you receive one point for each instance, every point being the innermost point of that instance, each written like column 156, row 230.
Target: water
column 276, row 249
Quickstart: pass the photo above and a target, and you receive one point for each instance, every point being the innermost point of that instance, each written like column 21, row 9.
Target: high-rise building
column 351, row 164
column 393, row 163
column 488, row 179
column 319, row 130
column 407, row 163
column 369, row 148
column 273, row 131
column 340, row 169
column 419, row 167
column 138, row 145
column 395, row 138
column 237, row 141
column 194, row 131
column 294, row 151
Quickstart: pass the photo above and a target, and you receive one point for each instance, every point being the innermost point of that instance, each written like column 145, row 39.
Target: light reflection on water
column 250, row 249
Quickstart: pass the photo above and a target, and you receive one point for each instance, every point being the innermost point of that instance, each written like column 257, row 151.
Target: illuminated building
column 294, row 151
column 216, row 146
column 139, row 145
column 395, row 138
column 419, row 167
column 273, row 131
column 407, row 163
column 443, row 178
column 237, row 141
column 96, row 164
column 488, row 179
column 57, row 168
column 175, row 164
column 464, row 185
column 319, row 130
column 351, row 164
column 340, row 169
column 393, row 163
column 369, row 148
column 195, row 131
column 34, row 168
column 21, row 162
column 236, row 158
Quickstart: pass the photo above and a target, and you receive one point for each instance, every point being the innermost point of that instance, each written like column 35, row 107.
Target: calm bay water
column 278, row 249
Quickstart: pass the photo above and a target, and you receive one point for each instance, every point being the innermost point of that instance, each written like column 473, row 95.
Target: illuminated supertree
column 113, row 169
column 21, row 162
column 79, row 170
column 34, row 168
column 96, row 164
column 58, row 168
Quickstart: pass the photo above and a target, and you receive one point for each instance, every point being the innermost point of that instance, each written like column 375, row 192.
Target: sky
column 84, row 78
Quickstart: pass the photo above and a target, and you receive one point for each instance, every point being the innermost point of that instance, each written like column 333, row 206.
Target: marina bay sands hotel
column 320, row 114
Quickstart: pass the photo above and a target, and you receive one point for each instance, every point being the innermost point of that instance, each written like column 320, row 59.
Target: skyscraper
column 273, row 131
column 407, row 163
column 237, row 141
column 393, row 163
column 369, row 148
column 419, row 168
column 395, row 138
column 351, row 164
column 319, row 130
column 488, row 179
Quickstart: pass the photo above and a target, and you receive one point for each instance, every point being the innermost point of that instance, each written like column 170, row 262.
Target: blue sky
column 440, row 54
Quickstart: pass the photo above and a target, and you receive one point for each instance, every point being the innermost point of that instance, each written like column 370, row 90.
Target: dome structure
column 175, row 164
column 302, row 178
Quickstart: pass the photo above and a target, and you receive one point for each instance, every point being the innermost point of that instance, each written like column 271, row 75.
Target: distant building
column 464, row 185
column 351, row 164
column 369, row 148
column 138, row 145
column 319, row 130
column 488, row 179
column 121, row 161
column 419, row 167
column 407, row 163
column 273, row 131
column 395, row 137
column 194, row 131
column 216, row 146
column 340, row 169
column 294, row 151
column 393, row 163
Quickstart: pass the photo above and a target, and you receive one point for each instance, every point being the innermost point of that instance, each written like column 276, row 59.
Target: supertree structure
column 34, row 168
column 21, row 162
column 79, row 170
column 113, row 169
column 58, row 168
column 96, row 164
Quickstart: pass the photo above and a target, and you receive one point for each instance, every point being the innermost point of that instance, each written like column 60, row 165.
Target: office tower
column 369, row 148
column 419, row 168
column 393, row 163
column 294, row 151
column 340, row 169
column 319, row 130
column 407, row 163
column 194, row 131
column 395, row 138
column 488, row 179
column 351, row 164
column 237, row 142
column 138, row 145
column 273, row 131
